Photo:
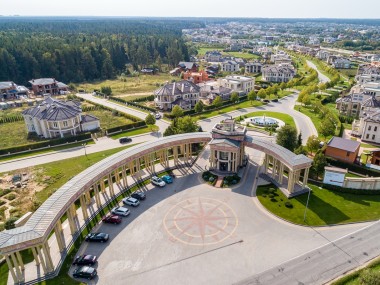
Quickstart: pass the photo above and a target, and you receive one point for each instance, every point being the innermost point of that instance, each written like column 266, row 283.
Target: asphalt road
column 322, row 78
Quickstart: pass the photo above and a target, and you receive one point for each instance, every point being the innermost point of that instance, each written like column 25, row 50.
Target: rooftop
column 344, row 144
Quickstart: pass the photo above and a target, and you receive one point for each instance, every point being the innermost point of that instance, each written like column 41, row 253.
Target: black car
column 85, row 259
column 125, row 140
column 275, row 100
column 138, row 195
column 85, row 272
column 266, row 101
column 100, row 237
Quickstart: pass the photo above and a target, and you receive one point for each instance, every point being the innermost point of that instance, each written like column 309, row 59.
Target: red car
column 112, row 219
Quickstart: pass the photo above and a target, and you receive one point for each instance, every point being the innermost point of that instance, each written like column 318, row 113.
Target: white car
column 131, row 201
column 120, row 211
column 158, row 181
column 158, row 116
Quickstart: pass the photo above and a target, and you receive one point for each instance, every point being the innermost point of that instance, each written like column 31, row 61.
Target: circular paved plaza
column 191, row 233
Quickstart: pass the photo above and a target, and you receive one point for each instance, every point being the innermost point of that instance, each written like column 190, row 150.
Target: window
column 65, row 123
column 223, row 155
column 373, row 137
column 369, row 128
column 348, row 153
column 375, row 129
column 367, row 136
column 55, row 125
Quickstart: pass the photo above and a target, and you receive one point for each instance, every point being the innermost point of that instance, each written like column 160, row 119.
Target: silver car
column 120, row 211
column 131, row 201
column 158, row 181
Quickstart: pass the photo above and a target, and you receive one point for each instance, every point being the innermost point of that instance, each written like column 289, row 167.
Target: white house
column 253, row 67
column 238, row 83
column 183, row 93
column 278, row 73
column 54, row 118
column 213, row 56
column 342, row 63
column 230, row 66
column 368, row 127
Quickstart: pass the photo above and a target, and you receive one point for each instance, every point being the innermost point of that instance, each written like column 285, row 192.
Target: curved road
column 322, row 78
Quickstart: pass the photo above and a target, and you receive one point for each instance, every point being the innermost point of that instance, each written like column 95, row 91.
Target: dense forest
column 85, row 49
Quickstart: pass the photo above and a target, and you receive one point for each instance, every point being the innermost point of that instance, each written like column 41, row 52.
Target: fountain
column 263, row 121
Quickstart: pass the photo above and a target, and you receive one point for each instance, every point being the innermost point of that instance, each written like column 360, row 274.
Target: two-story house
column 230, row 66
column 53, row 118
column 183, row 93
column 48, row 86
column 213, row 56
column 10, row 90
column 253, row 67
column 238, row 83
column 278, row 73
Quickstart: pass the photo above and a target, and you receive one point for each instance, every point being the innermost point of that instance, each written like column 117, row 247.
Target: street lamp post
column 307, row 204
column 84, row 146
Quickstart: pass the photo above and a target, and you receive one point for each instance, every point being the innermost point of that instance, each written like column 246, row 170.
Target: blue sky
column 195, row 8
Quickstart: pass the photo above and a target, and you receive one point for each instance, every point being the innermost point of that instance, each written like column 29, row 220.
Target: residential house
column 50, row 86
column 368, row 126
column 253, row 67
column 183, row 93
column 11, row 91
column 213, row 56
column 184, row 66
column 280, row 58
column 345, row 150
column 364, row 78
column 53, row 118
column 323, row 55
column 368, row 69
column 240, row 61
column 278, row 72
column 196, row 77
column 230, row 66
column 238, row 83
column 211, row 89
column 342, row 63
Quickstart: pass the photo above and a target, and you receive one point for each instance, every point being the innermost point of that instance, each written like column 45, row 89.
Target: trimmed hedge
column 127, row 127
column 80, row 137
column 11, row 119
column 125, row 102
column 143, row 99
column 353, row 167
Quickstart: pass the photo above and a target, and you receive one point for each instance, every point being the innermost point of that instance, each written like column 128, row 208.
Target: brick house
column 342, row 149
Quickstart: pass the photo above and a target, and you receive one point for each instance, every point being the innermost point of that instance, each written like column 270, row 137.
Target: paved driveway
column 191, row 233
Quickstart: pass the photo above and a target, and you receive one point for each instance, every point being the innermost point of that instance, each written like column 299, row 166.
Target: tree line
column 76, row 50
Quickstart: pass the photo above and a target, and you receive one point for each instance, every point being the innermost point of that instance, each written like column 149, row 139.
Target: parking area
column 191, row 233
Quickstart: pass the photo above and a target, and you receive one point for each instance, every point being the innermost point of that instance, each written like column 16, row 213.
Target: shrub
column 211, row 179
column 10, row 223
column 10, row 197
column 369, row 277
column 288, row 205
column 264, row 195
column 273, row 199
column 4, row 192
column 271, row 196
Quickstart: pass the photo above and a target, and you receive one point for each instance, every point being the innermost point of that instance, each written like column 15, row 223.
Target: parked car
column 131, row 201
column 167, row 179
column 99, row 237
column 85, row 272
column 111, row 219
column 158, row 181
column 85, row 259
column 275, row 100
column 266, row 101
column 158, row 116
column 125, row 140
column 138, row 195
column 120, row 211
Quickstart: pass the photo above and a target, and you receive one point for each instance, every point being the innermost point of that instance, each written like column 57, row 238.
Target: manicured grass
column 202, row 50
column 142, row 83
column 315, row 119
column 283, row 93
column 245, row 104
column 244, row 55
column 31, row 153
column 14, row 134
column 325, row 207
column 134, row 132
column 281, row 116
column 133, row 97
column 353, row 278
column 108, row 120
column 62, row 171
column 4, row 271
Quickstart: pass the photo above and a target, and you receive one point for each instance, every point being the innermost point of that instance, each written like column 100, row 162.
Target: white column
column 11, row 269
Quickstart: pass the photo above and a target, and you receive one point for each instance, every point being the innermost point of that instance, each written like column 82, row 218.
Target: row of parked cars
column 87, row 261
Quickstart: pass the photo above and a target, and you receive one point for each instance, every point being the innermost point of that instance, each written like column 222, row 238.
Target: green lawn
column 281, row 116
column 142, row 83
column 134, row 132
column 14, row 134
column 202, row 50
column 58, row 148
column 244, row 55
column 325, row 207
column 108, row 120
column 245, row 104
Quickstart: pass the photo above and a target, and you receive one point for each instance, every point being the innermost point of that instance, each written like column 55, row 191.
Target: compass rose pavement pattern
column 200, row 221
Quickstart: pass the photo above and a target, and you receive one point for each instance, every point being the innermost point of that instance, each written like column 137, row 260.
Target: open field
column 134, row 132
column 131, row 85
column 325, row 207
column 245, row 104
column 14, row 134
column 281, row 116
column 108, row 120
column 245, row 55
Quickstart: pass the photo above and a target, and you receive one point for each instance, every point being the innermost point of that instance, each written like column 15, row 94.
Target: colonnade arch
column 94, row 181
